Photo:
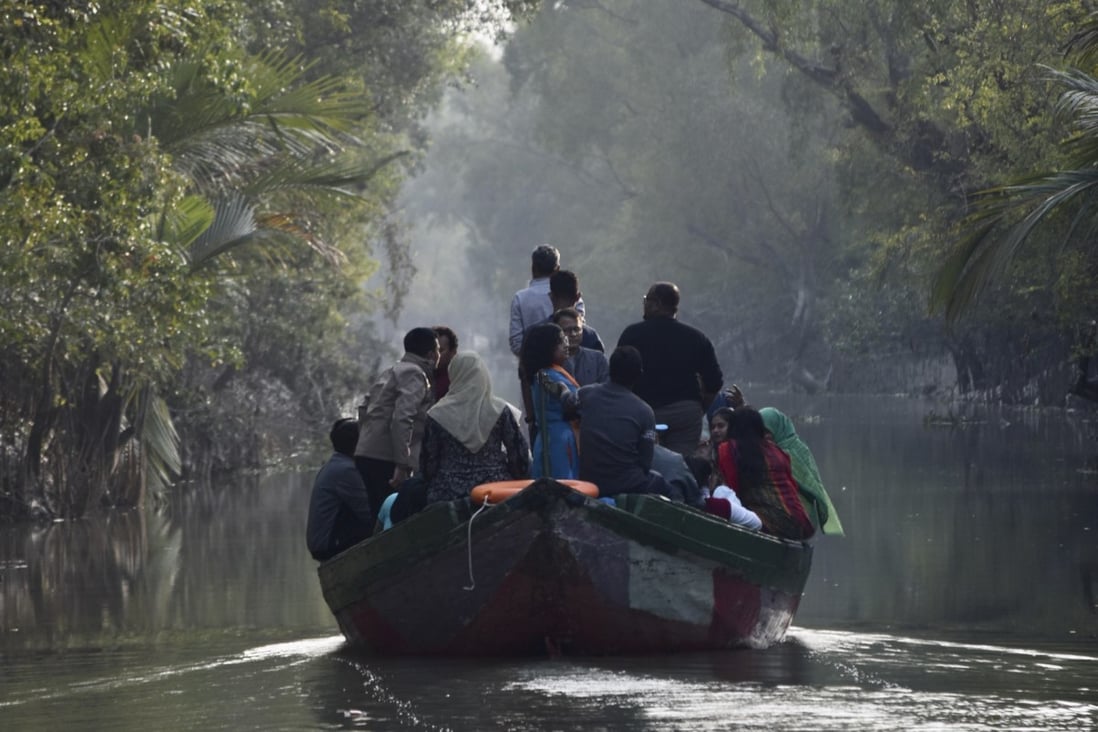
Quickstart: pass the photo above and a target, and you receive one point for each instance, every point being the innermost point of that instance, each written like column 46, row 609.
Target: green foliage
column 174, row 203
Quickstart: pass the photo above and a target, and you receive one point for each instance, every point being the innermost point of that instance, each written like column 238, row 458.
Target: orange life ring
column 504, row 489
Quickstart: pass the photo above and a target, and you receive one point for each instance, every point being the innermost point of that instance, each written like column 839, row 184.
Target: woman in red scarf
column 760, row 473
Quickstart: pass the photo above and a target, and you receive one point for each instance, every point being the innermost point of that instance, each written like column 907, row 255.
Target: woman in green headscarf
column 813, row 495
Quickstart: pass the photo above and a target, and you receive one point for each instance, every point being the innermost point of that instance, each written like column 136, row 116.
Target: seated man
column 672, row 466
column 339, row 509
column 618, row 432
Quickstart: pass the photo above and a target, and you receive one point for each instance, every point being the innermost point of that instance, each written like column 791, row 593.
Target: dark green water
column 961, row 599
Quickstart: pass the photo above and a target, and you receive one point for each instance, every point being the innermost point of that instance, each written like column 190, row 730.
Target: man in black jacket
column 681, row 373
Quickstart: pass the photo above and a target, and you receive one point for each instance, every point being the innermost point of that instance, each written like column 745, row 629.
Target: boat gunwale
column 404, row 546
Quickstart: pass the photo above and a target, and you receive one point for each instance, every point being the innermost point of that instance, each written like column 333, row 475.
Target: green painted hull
column 553, row 571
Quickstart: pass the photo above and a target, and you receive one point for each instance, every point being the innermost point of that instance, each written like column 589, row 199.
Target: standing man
column 618, row 431
column 531, row 305
column 586, row 365
column 447, row 349
column 564, row 292
column 681, row 373
column 339, row 510
column 392, row 417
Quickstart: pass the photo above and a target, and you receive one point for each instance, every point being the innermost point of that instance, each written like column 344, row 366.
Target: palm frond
column 1083, row 45
column 160, row 453
column 233, row 224
column 187, row 221
column 333, row 177
column 1003, row 217
column 1001, row 221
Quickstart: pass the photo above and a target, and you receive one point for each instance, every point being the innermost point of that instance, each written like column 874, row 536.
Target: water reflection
column 213, row 562
column 952, row 527
column 962, row 596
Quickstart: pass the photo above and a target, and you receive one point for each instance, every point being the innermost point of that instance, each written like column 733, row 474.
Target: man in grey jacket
column 391, row 419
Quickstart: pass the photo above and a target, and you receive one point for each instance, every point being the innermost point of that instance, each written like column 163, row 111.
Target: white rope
column 473, row 582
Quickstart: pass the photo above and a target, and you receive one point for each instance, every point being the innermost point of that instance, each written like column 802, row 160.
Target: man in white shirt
column 531, row 305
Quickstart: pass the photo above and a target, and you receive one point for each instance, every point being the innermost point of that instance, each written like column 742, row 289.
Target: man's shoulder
column 633, row 330
column 337, row 465
column 592, row 393
column 406, row 368
column 687, row 328
column 590, row 390
column 642, row 405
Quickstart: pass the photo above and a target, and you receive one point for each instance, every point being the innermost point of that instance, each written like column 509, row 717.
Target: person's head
column 746, row 425
column 422, row 342
column 542, row 347
column 468, row 373
column 571, row 322
column 747, row 429
column 344, row 436
column 662, row 300
column 447, row 345
column 718, row 425
column 544, row 261
column 626, row 366
column 564, row 289
column 778, row 425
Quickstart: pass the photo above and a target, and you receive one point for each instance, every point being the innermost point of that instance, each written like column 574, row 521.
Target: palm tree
column 1002, row 217
column 253, row 173
column 253, row 170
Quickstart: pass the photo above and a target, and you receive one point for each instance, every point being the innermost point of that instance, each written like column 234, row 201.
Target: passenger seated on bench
column 618, row 432
column 760, row 474
column 720, row 500
column 339, row 508
column 471, row 435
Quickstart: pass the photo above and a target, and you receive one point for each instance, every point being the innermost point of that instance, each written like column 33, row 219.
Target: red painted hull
column 555, row 572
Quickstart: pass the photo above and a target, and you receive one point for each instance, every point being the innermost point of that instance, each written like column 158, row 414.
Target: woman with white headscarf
column 471, row 436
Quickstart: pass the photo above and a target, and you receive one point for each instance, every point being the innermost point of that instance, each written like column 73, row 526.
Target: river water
column 963, row 597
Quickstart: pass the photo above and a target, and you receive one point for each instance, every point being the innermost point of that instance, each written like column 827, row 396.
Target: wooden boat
column 550, row 570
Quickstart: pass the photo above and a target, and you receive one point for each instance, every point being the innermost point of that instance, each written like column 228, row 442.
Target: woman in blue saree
column 556, row 446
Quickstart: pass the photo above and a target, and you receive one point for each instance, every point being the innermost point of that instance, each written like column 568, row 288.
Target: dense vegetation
column 799, row 168
column 193, row 194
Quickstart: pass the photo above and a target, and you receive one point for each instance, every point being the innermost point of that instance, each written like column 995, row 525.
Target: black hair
column 544, row 261
column 747, row 428
column 420, row 341
column 700, row 468
column 344, row 435
column 626, row 366
column 564, row 283
column 538, row 347
column 442, row 330
column 666, row 294
column 566, row 313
